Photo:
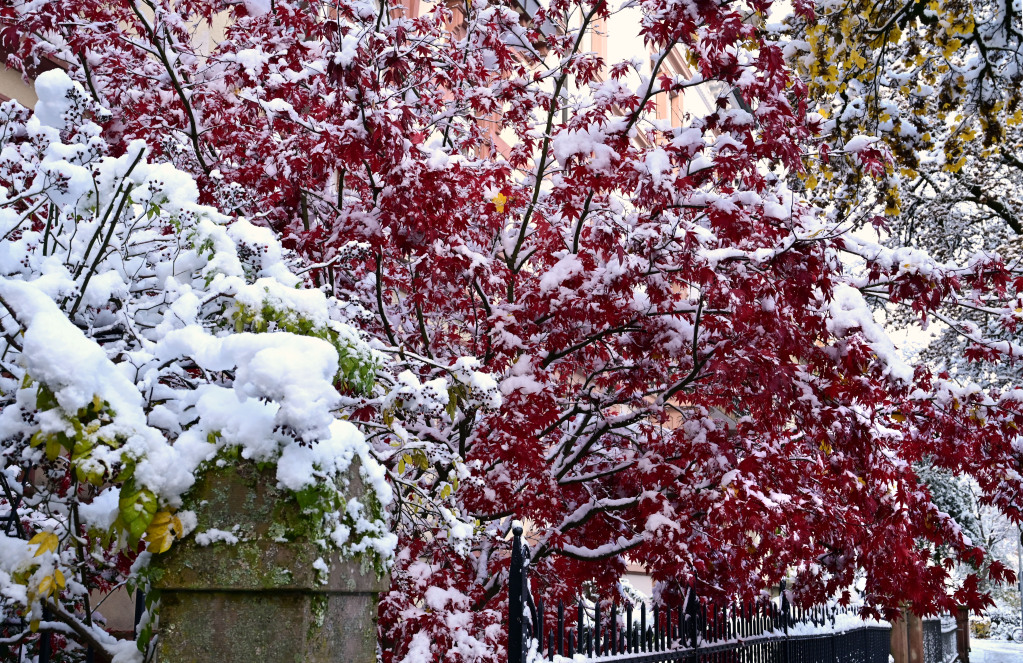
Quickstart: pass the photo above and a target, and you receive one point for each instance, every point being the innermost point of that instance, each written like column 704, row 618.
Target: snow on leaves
column 146, row 337
column 685, row 371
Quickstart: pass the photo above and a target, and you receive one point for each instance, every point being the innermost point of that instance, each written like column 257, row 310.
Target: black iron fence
column 692, row 630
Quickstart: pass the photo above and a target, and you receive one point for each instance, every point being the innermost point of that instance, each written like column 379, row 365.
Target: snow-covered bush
column 146, row 337
column 1001, row 621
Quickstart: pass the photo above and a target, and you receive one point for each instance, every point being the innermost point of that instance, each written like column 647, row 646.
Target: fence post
column 962, row 616
column 515, row 601
column 784, row 623
column 262, row 599
column 45, row 640
column 693, row 616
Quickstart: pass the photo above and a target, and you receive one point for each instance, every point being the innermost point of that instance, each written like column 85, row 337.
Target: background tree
column 626, row 282
column 938, row 84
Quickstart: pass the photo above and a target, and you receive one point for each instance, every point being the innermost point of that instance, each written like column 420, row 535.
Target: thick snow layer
column 849, row 311
column 859, row 143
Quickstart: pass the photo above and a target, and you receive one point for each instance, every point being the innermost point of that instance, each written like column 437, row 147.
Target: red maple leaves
column 691, row 376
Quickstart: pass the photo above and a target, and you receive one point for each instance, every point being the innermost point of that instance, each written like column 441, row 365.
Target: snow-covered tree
column 690, row 373
column 938, row 85
column 147, row 338
column 986, row 526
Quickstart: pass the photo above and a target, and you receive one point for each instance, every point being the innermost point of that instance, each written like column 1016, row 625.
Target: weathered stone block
column 261, row 598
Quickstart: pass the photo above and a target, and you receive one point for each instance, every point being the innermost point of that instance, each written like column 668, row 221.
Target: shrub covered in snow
column 145, row 338
column 997, row 623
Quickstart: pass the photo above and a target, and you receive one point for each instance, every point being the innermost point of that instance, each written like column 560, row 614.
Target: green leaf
column 136, row 509
column 452, row 406
column 53, row 447
column 45, row 398
column 308, row 497
column 127, row 470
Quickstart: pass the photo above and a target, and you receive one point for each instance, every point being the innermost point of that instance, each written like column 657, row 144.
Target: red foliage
column 689, row 378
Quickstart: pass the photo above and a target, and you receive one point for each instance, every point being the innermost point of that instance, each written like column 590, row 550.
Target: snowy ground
column 995, row 651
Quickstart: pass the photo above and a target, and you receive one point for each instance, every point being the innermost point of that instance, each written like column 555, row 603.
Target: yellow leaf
column 499, row 202
column 898, row 416
column 164, row 528
column 59, row 578
column 34, row 626
column 47, row 542
column 957, row 166
column 47, row 586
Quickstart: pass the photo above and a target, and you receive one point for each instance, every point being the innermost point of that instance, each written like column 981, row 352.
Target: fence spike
column 693, row 616
column 657, row 635
column 713, row 621
column 784, row 608
column 629, row 640
column 561, row 628
column 710, row 619
column 671, row 628
column 667, row 626
column 614, row 628
column 581, row 625
column 642, row 626
column 539, row 626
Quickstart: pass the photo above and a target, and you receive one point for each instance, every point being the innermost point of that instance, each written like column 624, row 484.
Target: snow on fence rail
column 692, row 631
